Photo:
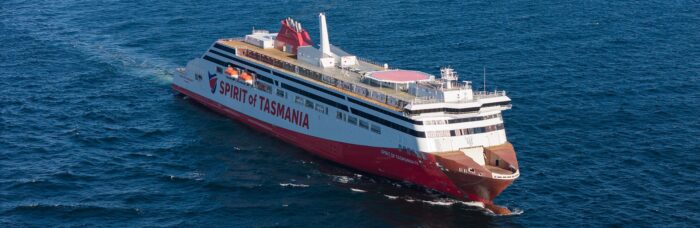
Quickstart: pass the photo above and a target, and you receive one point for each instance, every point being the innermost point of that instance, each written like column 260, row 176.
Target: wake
column 65, row 32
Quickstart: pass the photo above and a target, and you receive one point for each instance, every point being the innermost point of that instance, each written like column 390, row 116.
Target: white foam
column 342, row 179
column 438, row 203
column 294, row 185
column 357, row 190
column 514, row 212
column 196, row 175
column 473, row 204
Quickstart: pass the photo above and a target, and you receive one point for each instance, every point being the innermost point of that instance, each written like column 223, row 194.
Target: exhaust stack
column 325, row 44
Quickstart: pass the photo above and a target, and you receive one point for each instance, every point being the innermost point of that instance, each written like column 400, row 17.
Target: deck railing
column 233, row 39
column 489, row 94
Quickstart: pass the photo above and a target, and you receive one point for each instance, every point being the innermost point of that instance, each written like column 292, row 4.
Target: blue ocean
column 605, row 118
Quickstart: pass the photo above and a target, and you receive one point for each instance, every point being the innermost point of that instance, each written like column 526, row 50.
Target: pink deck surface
column 400, row 75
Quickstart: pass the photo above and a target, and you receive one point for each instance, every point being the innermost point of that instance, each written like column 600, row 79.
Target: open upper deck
column 336, row 77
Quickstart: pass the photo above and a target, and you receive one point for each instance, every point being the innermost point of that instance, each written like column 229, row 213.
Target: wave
column 65, row 175
column 40, row 184
column 357, row 190
column 74, row 210
column 140, row 154
column 227, row 186
column 190, row 176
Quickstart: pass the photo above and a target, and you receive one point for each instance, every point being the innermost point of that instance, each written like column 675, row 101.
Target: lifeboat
column 231, row 72
column 247, row 78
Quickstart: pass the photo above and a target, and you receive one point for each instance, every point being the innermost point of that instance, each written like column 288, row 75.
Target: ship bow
column 481, row 174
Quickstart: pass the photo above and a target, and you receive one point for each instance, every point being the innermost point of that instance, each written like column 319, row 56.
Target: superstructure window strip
column 241, row 61
column 495, row 104
column 221, row 63
column 264, row 78
column 461, row 120
column 224, row 48
column 388, row 123
column 307, row 84
column 315, row 97
column 385, row 112
column 455, row 110
column 221, row 54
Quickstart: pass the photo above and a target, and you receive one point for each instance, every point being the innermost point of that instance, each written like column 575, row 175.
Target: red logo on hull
column 212, row 82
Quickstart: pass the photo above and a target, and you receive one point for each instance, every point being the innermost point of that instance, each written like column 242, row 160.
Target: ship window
column 299, row 100
column 477, row 130
column 280, row 93
column 340, row 115
column 321, row 109
column 352, row 120
column 375, row 129
column 219, row 70
column 364, row 124
column 309, row 104
column 437, row 134
column 198, row 77
column 264, row 87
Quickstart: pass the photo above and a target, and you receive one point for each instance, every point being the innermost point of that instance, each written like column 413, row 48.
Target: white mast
column 325, row 44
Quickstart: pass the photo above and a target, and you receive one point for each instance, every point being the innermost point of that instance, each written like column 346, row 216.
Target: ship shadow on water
column 392, row 202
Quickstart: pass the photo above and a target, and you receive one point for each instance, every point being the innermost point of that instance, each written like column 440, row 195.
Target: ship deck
column 353, row 75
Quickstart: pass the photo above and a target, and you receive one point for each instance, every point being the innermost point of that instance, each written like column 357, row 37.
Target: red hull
column 388, row 162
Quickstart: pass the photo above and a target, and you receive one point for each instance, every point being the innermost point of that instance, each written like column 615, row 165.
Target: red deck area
column 400, row 76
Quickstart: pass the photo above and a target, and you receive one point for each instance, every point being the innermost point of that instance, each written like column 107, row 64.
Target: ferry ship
column 436, row 132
